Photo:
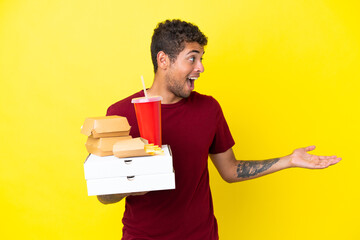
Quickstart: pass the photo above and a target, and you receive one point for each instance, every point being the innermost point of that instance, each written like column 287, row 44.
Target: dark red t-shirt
column 193, row 127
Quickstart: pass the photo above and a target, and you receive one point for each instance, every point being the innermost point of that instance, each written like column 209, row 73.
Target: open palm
column 301, row 158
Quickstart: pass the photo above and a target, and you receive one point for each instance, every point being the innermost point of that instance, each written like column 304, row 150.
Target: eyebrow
column 194, row 51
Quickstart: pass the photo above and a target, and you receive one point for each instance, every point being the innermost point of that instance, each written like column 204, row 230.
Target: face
column 187, row 67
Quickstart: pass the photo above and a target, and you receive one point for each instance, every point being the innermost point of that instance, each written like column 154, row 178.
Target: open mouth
column 190, row 81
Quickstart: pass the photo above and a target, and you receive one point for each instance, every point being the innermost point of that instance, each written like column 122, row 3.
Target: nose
column 199, row 67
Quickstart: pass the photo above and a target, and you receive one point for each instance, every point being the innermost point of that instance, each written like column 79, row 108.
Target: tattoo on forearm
column 251, row 168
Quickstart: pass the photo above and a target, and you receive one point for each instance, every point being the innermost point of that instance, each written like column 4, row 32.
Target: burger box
column 103, row 146
column 110, row 174
column 134, row 147
column 108, row 126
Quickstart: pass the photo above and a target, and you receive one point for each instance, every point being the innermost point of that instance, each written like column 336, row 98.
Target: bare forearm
column 245, row 170
column 232, row 170
column 113, row 198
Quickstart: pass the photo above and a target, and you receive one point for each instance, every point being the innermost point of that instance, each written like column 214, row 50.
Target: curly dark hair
column 170, row 37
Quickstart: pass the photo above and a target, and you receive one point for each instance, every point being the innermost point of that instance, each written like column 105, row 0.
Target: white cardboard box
column 139, row 183
column 110, row 166
column 111, row 175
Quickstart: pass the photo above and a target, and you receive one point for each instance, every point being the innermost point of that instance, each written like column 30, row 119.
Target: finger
column 310, row 148
column 326, row 157
column 138, row 193
column 328, row 162
column 318, row 165
column 322, row 164
column 335, row 160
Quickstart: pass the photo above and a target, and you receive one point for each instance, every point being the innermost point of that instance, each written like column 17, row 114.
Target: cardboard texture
column 130, row 148
column 107, row 126
column 132, row 169
column 103, row 146
column 96, row 167
column 111, row 175
column 139, row 183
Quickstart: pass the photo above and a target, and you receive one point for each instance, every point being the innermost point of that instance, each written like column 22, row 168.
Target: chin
column 183, row 95
column 186, row 95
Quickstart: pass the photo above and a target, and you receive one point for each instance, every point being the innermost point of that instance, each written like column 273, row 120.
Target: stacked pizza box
column 119, row 163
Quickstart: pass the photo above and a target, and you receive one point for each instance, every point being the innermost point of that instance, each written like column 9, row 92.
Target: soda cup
column 148, row 115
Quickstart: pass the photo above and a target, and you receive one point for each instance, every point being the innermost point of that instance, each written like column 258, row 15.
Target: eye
column 192, row 59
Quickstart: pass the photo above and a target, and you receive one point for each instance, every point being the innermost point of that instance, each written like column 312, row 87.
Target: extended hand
column 300, row 158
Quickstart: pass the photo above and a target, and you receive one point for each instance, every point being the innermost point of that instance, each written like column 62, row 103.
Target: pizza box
column 127, row 184
column 96, row 167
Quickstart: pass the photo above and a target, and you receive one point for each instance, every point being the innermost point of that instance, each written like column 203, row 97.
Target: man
column 194, row 126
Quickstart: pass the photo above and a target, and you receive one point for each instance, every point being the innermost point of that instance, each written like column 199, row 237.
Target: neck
column 159, row 88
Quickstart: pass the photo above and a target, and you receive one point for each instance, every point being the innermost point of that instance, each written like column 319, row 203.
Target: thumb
column 310, row 148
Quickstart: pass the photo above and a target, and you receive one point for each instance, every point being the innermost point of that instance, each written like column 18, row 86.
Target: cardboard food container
column 103, row 146
column 108, row 126
column 112, row 175
column 130, row 148
column 96, row 167
column 141, row 183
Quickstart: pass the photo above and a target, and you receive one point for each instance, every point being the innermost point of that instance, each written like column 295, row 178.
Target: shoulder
column 204, row 100
column 120, row 107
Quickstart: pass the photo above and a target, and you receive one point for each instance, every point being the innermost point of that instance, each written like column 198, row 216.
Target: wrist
column 286, row 160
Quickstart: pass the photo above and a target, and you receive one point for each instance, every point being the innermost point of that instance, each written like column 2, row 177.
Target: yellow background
column 285, row 72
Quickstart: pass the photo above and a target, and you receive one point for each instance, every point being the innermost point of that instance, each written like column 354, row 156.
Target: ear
column 163, row 60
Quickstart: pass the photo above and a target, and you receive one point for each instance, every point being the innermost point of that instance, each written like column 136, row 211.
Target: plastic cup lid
column 145, row 100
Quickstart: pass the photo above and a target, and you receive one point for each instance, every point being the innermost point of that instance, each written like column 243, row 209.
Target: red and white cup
column 148, row 115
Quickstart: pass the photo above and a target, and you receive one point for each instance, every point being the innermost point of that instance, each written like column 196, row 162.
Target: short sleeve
column 110, row 111
column 223, row 139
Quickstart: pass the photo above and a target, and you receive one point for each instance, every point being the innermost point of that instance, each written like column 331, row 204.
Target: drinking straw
column 143, row 83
